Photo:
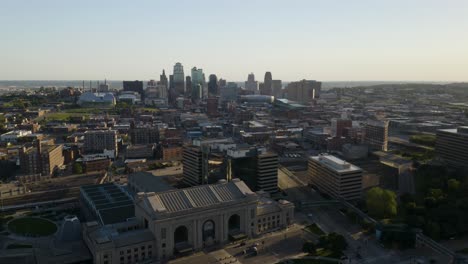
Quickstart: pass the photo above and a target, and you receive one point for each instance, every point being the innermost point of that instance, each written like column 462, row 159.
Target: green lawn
column 315, row 229
column 29, row 226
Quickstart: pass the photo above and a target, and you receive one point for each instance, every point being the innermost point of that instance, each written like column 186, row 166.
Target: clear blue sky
column 328, row 40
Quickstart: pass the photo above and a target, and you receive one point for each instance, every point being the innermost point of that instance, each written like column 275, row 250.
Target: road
column 330, row 219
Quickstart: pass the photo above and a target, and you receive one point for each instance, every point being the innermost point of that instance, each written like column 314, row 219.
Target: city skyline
column 358, row 41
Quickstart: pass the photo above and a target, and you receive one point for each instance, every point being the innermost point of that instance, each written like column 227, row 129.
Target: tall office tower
column 376, row 135
column 171, row 82
column 179, row 79
column 221, row 84
column 267, row 83
column 452, row 146
column 335, row 177
column 251, row 84
column 151, row 89
column 188, row 86
column 192, row 160
column 144, row 135
column 229, row 92
column 212, row 106
column 197, row 93
column 43, row 160
column 339, row 125
column 198, row 79
column 134, row 86
column 303, row 91
column 163, row 79
column 277, row 88
column 257, row 167
column 212, row 85
column 96, row 141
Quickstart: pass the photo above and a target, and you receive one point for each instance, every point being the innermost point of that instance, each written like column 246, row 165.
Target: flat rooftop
column 335, row 163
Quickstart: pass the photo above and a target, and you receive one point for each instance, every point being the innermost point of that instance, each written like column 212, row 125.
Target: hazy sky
column 329, row 40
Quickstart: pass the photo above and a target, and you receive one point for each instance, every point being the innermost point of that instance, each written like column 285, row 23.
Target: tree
column 433, row 230
column 334, row 242
column 381, row 203
column 309, row 247
column 77, row 168
column 453, row 185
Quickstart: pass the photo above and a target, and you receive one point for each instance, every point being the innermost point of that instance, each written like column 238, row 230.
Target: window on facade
column 136, row 257
column 129, row 251
column 129, row 257
column 143, row 255
column 273, row 217
column 121, row 252
column 163, row 233
column 150, row 253
column 106, row 262
column 106, row 256
column 252, row 213
column 142, row 247
column 150, row 246
column 135, row 249
column 146, row 223
column 122, row 259
column 163, row 245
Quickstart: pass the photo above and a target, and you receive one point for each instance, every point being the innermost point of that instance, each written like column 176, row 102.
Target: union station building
column 180, row 221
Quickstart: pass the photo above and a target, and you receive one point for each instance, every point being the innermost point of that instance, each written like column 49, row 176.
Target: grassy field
column 29, row 226
column 62, row 116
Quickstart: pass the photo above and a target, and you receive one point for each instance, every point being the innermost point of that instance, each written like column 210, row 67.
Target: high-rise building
column 303, row 91
column 188, row 86
column 335, row 177
column 197, row 93
column 277, row 88
column 134, row 86
column 267, row 83
column 212, row 106
column 221, row 84
column 452, row 146
column 179, row 79
column 229, row 92
column 144, row 135
column 163, row 79
column 192, row 160
column 251, row 84
column 155, row 90
column 376, row 135
column 339, row 125
column 213, row 85
column 96, row 141
column 257, row 167
column 198, row 79
column 39, row 159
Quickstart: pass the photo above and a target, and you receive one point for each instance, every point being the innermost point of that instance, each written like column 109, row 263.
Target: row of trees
column 439, row 207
